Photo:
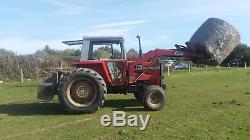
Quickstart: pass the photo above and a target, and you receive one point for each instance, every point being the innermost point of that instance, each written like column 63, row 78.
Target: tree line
column 239, row 56
column 11, row 64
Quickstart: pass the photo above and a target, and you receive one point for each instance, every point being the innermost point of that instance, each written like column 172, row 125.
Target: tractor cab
column 99, row 48
column 96, row 51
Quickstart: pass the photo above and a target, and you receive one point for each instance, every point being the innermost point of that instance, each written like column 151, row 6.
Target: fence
column 193, row 68
column 42, row 73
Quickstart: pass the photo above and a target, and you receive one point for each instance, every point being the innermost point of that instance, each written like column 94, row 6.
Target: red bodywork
column 147, row 70
column 101, row 67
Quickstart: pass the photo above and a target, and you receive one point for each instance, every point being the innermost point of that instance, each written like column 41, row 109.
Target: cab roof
column 97, row 39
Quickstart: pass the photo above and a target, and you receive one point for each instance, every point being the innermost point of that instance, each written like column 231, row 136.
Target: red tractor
column 84, row 87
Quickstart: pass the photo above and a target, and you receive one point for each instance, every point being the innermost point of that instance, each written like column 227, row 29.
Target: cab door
column 117, row 70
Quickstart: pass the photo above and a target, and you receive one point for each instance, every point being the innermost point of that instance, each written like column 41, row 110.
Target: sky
column 29, row 25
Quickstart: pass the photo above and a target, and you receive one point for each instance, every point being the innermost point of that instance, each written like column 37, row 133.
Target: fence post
column 37, row 74
column 245, row 64
column 217, row 68
column 189, row 67
column 168, row 70
column 22, row 75
column 228, row 65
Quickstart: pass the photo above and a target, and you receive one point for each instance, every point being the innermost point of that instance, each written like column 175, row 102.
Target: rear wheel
column 82, row 91
column 154, row 98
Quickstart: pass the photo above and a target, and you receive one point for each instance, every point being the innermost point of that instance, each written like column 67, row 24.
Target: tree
column 101, row 53
column 48, row 50
column 106, row 52
column 11, row 64
column 132, row 54
column 240, row 54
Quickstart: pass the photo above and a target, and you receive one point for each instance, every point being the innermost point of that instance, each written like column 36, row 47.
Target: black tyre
column 138, row 96
column 154, row 98
column 139, row 93
column 82, row 91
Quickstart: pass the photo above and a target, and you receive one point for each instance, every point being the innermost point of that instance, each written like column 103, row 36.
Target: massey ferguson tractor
column 84, row 87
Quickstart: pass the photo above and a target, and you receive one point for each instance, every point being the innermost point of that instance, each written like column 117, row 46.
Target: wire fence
column 193, row 68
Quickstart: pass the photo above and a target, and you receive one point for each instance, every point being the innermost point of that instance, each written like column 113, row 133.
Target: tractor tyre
column 138, row 96
column 154, row 98
column 139, row 93
column 82, row 90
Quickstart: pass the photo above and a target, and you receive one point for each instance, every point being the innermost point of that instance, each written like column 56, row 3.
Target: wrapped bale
column 216, row 38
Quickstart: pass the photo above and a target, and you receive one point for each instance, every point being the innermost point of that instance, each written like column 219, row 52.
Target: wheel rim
column 81, row 93
column 155, row 98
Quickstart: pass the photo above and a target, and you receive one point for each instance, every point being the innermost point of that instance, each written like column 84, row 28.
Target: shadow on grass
column 124, row 105
column 33, row 85
column 31, row 109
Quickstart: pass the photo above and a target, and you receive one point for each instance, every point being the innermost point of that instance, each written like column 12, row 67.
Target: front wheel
column 139, row 92
column 154, row 98
column 138, row 96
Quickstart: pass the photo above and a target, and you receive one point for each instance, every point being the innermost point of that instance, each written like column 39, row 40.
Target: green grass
column 201, row 105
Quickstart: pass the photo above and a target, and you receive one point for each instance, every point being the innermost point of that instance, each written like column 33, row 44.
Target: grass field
column 201, row 105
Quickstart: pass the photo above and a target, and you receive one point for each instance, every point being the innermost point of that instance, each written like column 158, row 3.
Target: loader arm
column 153, row 56
column 158, row 53
column 185, row 52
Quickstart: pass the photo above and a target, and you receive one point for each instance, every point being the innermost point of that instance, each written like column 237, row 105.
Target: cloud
column 197, row 9
column 64, row 8
column 120, row 24
column 15, row 11
column 109, row 32
column 28, row 45
column 115, row 28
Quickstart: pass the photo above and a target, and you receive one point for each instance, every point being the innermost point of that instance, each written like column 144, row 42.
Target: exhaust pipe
column 140, row 50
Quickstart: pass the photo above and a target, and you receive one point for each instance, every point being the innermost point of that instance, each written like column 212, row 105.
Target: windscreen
column 106, row 51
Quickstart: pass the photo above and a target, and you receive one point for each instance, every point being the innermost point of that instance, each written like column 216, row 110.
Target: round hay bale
column 216, row 38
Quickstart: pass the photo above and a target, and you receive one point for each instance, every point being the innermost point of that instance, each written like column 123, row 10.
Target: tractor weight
column 47, row 88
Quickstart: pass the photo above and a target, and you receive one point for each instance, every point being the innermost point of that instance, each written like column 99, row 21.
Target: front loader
column 84, row 87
